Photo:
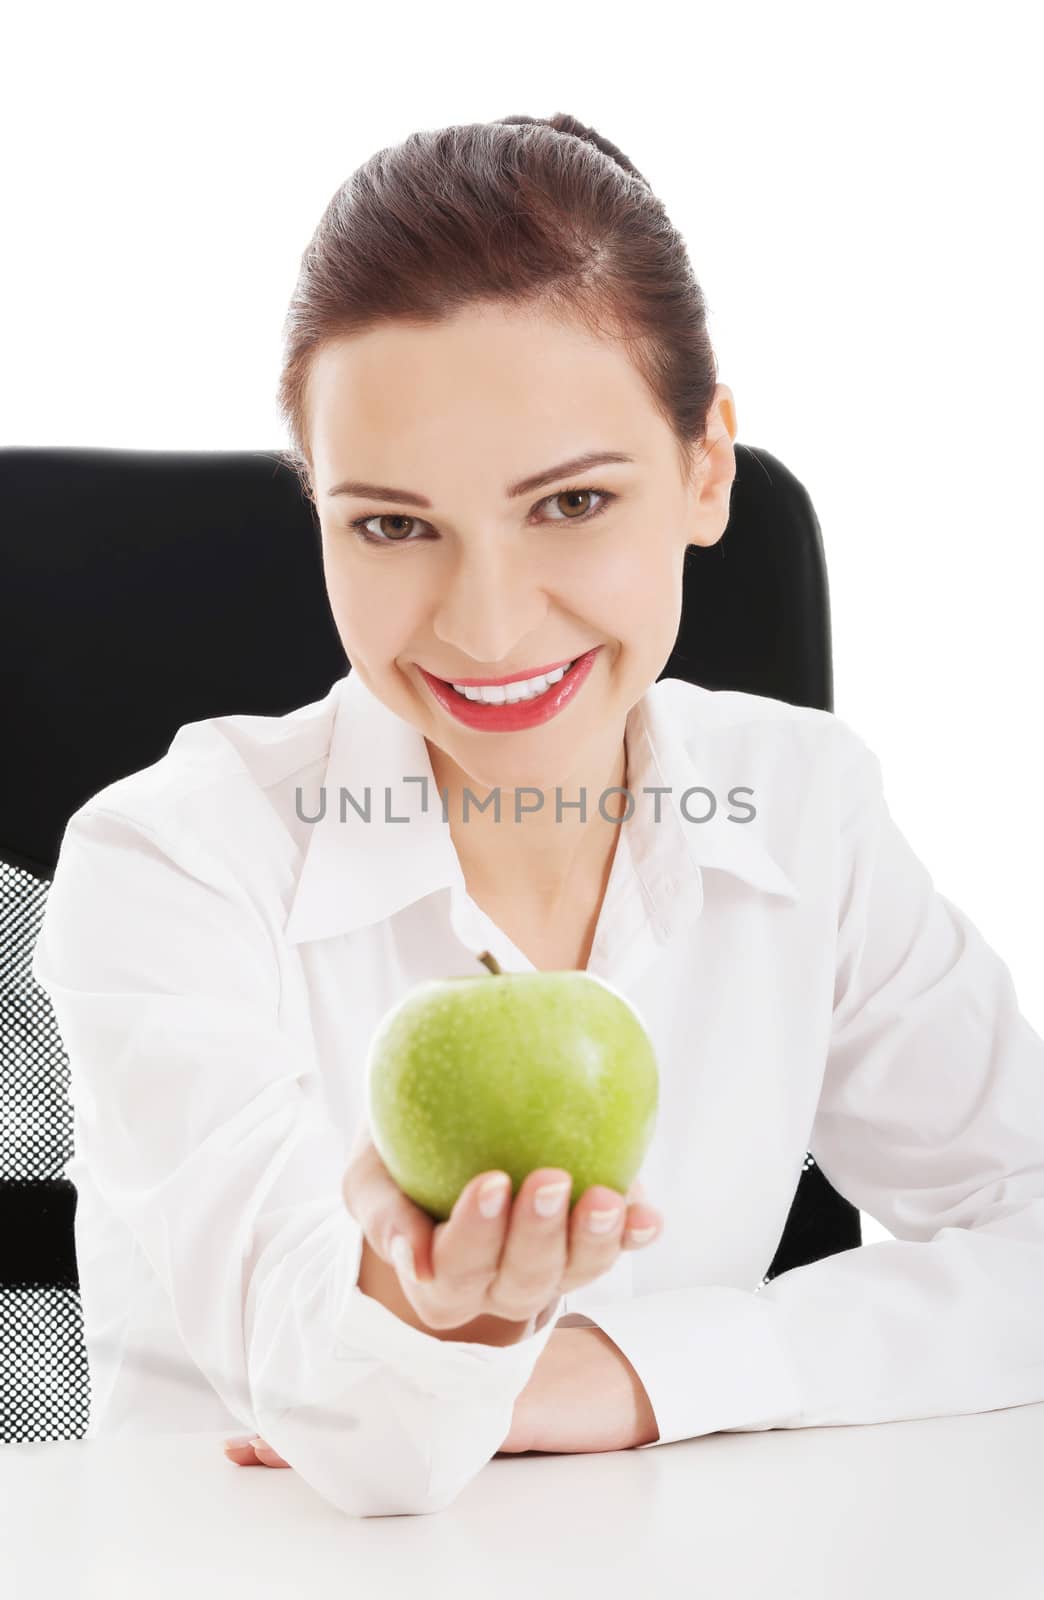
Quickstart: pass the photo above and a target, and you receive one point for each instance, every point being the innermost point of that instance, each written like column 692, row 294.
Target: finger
column 241, row 1453
column 595, row 1228
column 363, row 1138
column 642, row 1228
column 536, row 1249
column 382, row 1210
column 466, row 1247
column 266, row 1455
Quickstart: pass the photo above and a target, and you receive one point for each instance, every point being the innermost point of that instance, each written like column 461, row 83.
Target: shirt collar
column 357, row 872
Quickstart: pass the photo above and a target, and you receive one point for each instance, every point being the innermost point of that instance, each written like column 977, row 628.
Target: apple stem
column 489, row 960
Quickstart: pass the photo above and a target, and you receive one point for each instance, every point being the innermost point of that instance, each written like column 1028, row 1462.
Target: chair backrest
column 142, row 590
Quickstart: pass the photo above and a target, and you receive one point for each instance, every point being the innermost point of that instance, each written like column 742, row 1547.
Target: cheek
column 376, row 615
column 632, row 590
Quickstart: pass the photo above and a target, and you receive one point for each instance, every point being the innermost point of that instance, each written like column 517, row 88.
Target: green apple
column 510, row 1071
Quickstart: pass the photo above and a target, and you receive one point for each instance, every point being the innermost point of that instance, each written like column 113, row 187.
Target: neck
column 540, row 858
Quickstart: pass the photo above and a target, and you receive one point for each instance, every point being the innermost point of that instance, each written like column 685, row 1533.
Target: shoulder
column 812, row 761
column 735, row 720
column 224, row 790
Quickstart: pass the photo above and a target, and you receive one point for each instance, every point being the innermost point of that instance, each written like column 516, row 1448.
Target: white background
column 857, row 193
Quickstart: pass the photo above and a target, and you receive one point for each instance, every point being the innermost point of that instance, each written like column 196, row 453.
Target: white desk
column 952, row 1506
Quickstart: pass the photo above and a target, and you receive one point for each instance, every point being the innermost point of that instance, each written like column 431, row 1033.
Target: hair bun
column 562, row 122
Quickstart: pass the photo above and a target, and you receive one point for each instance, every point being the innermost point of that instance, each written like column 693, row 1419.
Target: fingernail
column 491, row 1196
column 548, row 1199
column 602, row 1221
column 256, row 1440
column 240, row 1441
column 640, row 1235
column 402, row 1257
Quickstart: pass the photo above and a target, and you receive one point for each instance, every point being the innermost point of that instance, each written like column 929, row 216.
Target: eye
column 581, row 514
column 585, row 514
column 360, row 528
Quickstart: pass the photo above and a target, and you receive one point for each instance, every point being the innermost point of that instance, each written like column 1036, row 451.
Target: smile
column 508, row 693
column 509, row 708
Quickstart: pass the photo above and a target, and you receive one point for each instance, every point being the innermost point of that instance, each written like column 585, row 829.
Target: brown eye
column 574, row 505
column 395, row 533
column 573, row 495
column 393, row 528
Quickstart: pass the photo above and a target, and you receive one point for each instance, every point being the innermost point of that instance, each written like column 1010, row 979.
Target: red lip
column 524, row 713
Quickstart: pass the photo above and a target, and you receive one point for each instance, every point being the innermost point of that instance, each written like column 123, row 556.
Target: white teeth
column 527, row 689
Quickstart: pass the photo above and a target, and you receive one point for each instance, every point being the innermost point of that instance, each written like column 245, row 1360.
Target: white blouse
column 218, row 960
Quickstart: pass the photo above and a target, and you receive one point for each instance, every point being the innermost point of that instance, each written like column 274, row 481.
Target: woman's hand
column 583, row 1395
column 476, row 1273
column 252, row 1452
column 494, row 1257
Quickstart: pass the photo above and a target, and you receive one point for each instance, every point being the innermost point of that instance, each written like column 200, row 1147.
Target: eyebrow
column 380, row 491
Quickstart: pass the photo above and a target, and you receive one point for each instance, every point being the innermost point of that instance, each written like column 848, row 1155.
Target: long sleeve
column 930, row 1118
column 204, row 1130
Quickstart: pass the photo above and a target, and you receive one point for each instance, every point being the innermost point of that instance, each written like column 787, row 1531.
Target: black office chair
column 142, row 590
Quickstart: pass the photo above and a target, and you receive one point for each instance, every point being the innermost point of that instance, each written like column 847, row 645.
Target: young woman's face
column 466, row 574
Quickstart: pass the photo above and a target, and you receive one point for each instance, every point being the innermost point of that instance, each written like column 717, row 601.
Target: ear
column 714, row 472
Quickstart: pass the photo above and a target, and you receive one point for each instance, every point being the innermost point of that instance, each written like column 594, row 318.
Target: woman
column 497, row 359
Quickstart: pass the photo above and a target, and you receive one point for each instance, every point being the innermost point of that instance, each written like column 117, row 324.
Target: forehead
column 506, row 384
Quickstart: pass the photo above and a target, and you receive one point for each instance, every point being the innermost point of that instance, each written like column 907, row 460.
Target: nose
column 490, row 602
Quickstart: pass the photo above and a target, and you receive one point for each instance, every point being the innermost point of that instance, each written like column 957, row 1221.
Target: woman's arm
column 583, row 1395
column 204, row 1141
column 931, row 1119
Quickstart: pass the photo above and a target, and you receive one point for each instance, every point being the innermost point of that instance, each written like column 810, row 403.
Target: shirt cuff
column 370, row 1331
column 709, row 1358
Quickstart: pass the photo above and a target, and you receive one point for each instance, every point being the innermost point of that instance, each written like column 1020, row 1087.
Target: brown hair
column 542, row 213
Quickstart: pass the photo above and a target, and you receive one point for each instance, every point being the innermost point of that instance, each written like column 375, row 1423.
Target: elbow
column 360, row 1472
column 406, row 1490
column 363, row 1502
column 384, row 1445
column 355, row 1496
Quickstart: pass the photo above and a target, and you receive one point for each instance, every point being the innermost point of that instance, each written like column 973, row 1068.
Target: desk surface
column 949, row 1506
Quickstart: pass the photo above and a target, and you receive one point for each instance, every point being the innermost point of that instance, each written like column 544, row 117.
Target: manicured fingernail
column 491, row 1196
column 240, row 1442
column 639, row 1235
column 548, row 1199
column 602, row 1221
column 402, row 1257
